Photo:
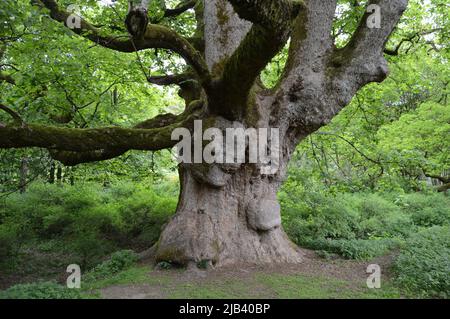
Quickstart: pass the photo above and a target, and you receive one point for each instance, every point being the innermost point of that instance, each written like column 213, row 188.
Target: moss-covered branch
column 74, row 146
column 81, row 140
column 271, row 14
column 72, row 158
column 170, row 121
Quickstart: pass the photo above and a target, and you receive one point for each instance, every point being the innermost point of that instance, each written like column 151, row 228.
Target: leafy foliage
column 91, row 221
column 119, row 261
column 423, row 267
column 41, row 290
column 359, row 225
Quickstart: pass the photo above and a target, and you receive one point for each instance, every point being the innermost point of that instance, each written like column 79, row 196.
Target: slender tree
column 229, row 213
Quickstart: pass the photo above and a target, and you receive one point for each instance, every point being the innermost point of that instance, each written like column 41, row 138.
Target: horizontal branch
column 151, row 135
column 169, row 121
column 170, row 79
column 71, row 158
column 82, row 140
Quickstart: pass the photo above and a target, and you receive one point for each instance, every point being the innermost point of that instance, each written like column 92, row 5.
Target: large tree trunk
column 237, row 223
column 226, row 214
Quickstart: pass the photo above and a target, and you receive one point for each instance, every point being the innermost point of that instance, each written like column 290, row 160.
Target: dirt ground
column 353, row 273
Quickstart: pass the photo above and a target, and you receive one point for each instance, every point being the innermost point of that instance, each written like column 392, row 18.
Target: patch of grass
column 224, row 289
column 137, row 274
column 133, row 275
column 258, row 286
column 310, row 287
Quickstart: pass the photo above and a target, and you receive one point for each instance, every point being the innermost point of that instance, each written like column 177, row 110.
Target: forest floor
column 314, row 278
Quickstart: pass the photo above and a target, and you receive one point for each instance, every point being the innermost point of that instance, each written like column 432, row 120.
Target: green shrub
column 321, row 216
column 362, row 249
column 118, row 261
column 423, row 266
column 427, row 210
column 88, row 221
column 358, row 226
column 89, row 248
column 143, row 216
column 380, row 217
column 41, row 290
column 8, row 242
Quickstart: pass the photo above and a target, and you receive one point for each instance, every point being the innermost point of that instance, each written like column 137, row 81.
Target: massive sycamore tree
column 228, row 213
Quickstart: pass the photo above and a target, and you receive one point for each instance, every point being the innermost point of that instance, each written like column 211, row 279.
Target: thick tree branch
column 362, row 60
column 70, row 158
column 363, row 55
column 320, row 80
column 154, row 134
column 270, row 31
column 16, row 117
column 180, row 8
column 81, row 140
column 170, row 79
column 156, row 36
column 300, row 97
column 271, row 14
column 169, row 121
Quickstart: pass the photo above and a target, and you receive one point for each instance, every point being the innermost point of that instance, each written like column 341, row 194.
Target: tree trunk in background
column 227, row 214
column 51, row 176
column 71, row 176
column 23, row 174
column 59, row 174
